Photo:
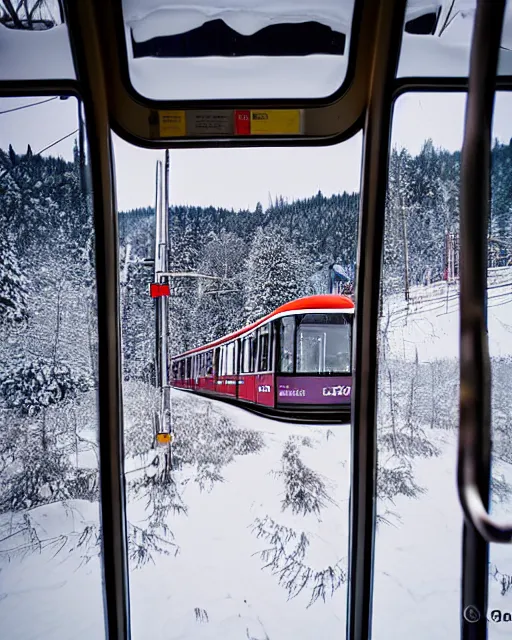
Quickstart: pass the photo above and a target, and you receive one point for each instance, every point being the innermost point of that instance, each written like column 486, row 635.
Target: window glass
column 323, row 344
column 235, row 50
column 419, row 534
column 272, row 562
column 499, row 322
column 34, row 41
column 230, row 358
column 253, row 339
column 263, row 359
column 50, row 529
column 287, row 341
column 437, row 39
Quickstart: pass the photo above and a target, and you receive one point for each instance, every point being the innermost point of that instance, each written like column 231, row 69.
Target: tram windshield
column 323, row 344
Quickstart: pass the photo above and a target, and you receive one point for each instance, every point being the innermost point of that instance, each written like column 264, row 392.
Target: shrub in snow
column 209, row 441
column 285, row 558
column 305, row 491
column 38, row 385
column 395, row 482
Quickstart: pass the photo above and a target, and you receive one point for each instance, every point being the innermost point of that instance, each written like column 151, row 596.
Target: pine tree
column 276, row 272
column 13, row 292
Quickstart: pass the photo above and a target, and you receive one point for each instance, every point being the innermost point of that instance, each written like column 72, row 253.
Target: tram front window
column 323, row 344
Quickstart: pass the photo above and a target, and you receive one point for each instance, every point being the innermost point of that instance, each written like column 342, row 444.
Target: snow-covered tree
column 13, row 287
column 276, row 272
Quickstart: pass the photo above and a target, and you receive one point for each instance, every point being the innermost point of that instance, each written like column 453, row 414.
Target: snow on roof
column 216, row 78
column 152, row 18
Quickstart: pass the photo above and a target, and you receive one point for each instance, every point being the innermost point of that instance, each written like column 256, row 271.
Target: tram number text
column 340, row 390
column 264, row 388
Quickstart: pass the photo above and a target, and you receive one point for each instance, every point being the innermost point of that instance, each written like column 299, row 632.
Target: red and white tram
column 296, row 361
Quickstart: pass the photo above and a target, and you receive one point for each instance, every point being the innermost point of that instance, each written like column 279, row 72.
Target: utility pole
column 160, row 291
column 406, row 250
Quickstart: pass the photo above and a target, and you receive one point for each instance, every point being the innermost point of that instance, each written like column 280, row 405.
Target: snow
column 446, row 53
column 238, row 79
column 216, row 586
column 153, row 18
column 36, row 55
column 429, row 324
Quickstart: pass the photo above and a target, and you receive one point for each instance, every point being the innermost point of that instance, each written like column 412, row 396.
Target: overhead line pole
column 161, row 279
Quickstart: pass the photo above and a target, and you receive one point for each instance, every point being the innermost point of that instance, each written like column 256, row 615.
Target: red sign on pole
column 159, row 290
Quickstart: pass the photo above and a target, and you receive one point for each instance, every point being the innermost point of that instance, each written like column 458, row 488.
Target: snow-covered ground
column 213, row 583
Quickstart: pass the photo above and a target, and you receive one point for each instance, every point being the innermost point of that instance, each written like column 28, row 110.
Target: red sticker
column 243, row 123
column 159, row 290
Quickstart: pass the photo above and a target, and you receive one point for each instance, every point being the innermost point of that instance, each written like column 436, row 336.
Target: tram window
column 230, row 358
column 223, row 360
column 499, row 318
column 50, row 523
column 263, row 351
column 245, row 356
column 254, row 351
column 324, row 344
column 418, row 541
column 35, row 45
column 437, row 39
column 209, row 365
column 287, row 342
column 281, row 50
column 261, row 258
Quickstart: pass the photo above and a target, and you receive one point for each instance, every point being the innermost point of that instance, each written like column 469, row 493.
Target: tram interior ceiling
column 255, row 319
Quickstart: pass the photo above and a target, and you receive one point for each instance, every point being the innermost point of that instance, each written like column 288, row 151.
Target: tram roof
column 308, row 304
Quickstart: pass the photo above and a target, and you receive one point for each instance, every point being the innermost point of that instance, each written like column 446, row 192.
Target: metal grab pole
column 474, row 457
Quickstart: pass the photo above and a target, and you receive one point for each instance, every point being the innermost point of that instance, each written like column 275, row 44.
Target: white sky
column 240, row 178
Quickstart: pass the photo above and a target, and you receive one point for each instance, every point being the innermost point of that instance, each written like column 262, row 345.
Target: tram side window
column 254, row 342
column 230, row 358
column 324, row 344
column 223, row 361
column 287, row 341
column 264, row 349
column 209, row 363
column 246, row 355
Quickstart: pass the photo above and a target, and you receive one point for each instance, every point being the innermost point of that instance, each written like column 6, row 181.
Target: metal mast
column 160, row 291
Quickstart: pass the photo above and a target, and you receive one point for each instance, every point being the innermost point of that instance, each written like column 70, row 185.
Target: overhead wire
column 26, row 106
column 68, row 135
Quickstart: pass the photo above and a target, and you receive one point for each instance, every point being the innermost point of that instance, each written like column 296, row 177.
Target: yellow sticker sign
column 172, row 124
column 276, row 121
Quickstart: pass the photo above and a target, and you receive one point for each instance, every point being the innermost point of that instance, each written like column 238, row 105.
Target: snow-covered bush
column 305, row 491
column 40, row 384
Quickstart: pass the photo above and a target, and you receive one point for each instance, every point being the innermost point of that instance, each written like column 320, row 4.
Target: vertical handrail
column 364, row 406
column 474, row 457
column 85, row 43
